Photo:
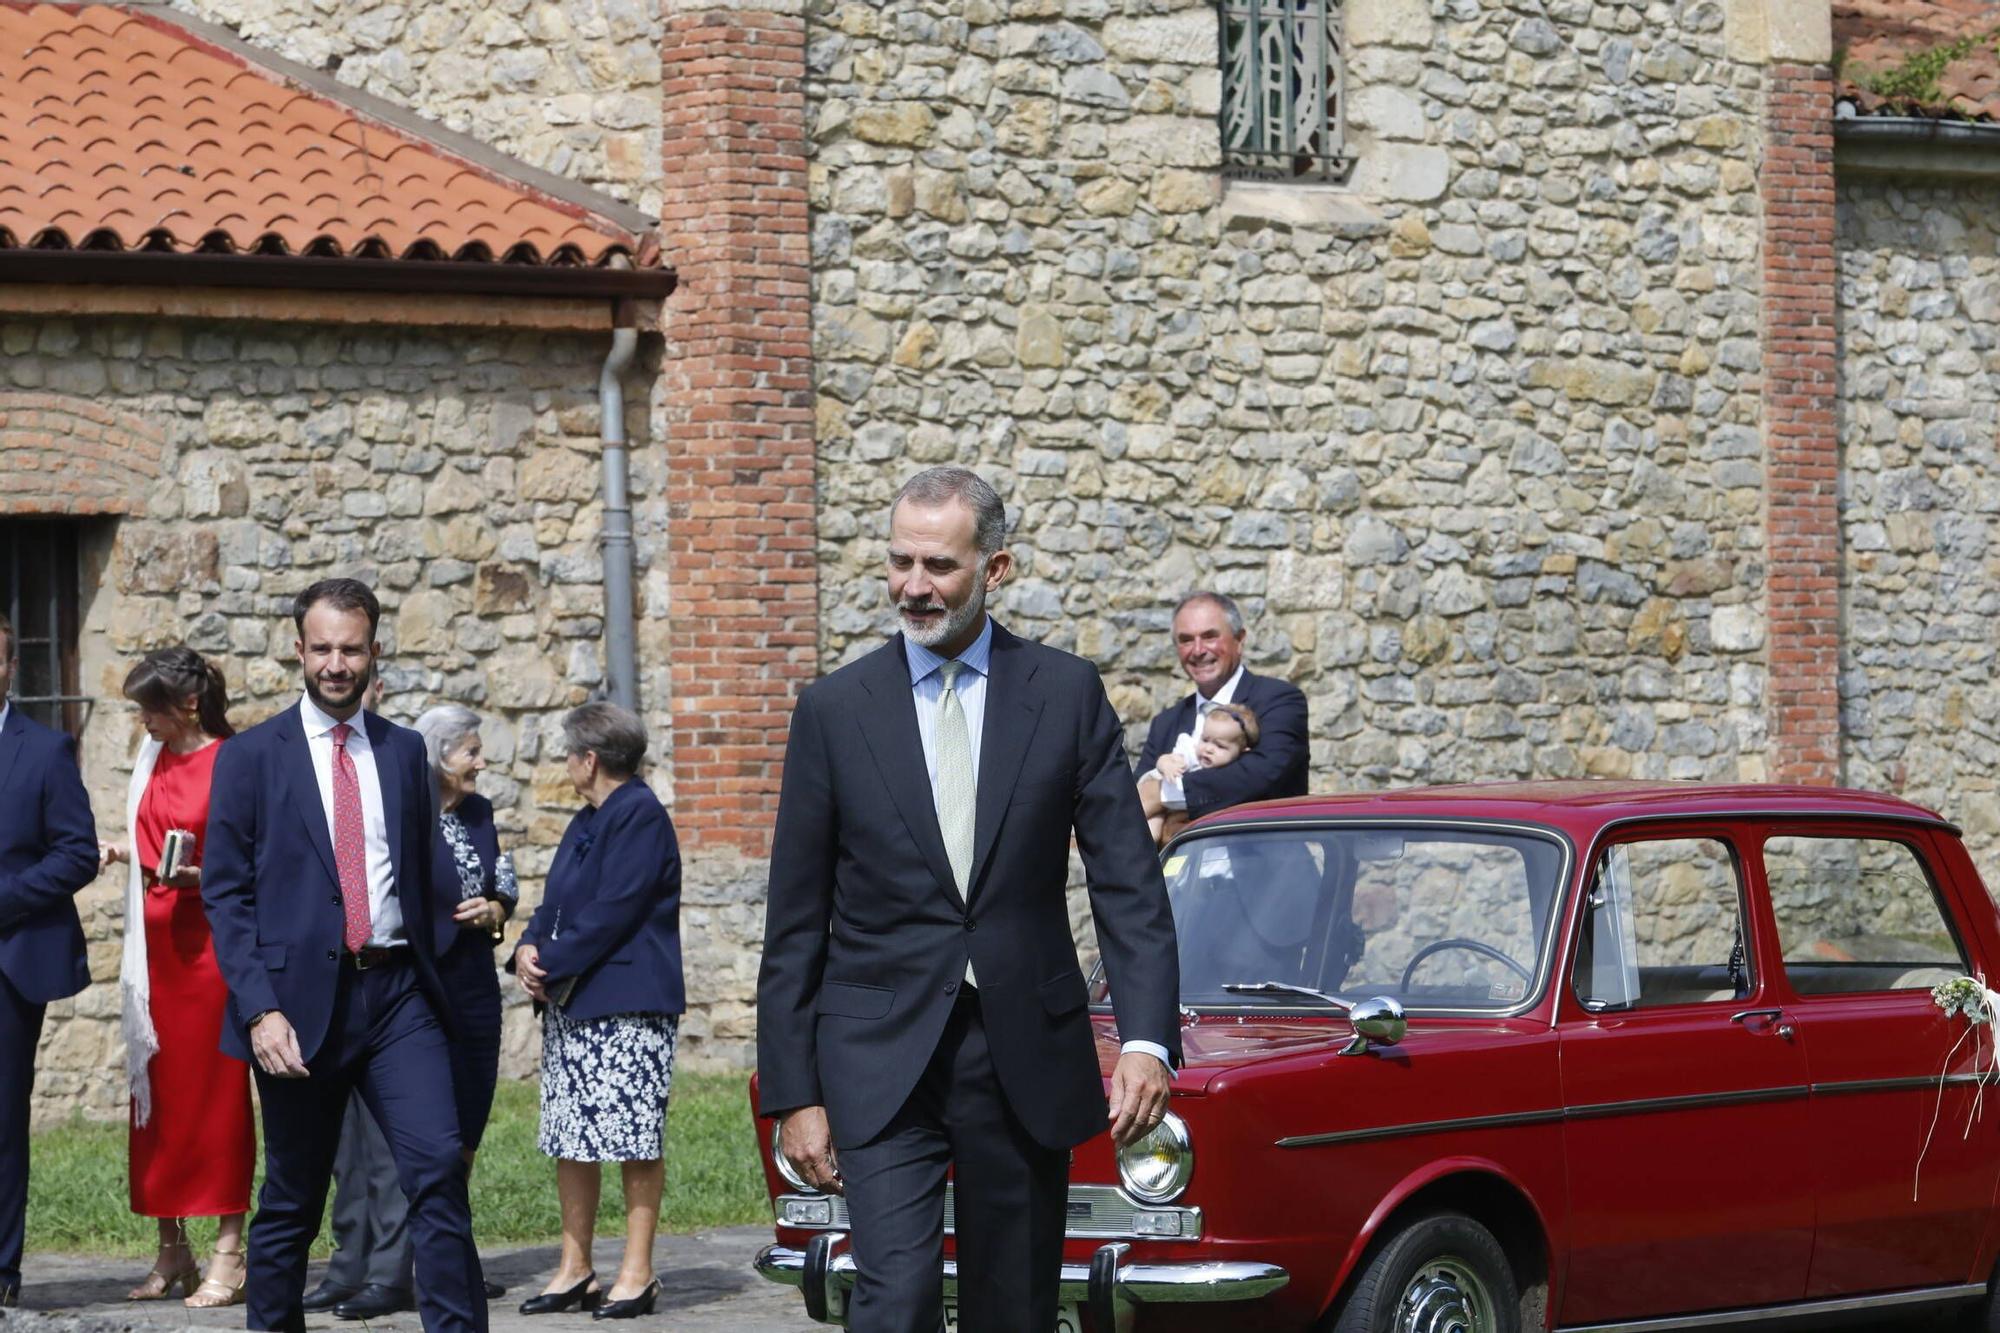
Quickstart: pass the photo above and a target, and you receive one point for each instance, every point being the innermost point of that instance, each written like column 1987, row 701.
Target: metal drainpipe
column 621, row 645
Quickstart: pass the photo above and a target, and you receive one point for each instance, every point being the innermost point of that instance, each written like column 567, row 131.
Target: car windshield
column 1438, row 918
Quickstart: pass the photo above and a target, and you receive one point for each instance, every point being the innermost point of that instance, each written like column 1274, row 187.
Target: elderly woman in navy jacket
column 602, row 955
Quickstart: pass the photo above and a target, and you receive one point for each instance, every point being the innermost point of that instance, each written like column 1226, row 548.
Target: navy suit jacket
column 866, row 935
column 611, row 912
column 48, row 850
column 270, row 887
column 1276, row 766
column 475, row 815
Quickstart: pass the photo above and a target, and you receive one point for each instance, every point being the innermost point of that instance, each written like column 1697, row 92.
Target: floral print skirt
column 604, row 1085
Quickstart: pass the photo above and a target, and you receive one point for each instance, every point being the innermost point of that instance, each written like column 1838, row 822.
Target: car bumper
column 1108, row 1286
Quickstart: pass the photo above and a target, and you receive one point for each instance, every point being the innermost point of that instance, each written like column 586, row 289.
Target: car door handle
column 1781, row 1025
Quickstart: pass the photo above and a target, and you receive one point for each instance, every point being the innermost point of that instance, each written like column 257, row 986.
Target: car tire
column 1442, row 1271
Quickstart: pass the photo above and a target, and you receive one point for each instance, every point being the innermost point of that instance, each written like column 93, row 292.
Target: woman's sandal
column 157, row 1286
column 214, row 1293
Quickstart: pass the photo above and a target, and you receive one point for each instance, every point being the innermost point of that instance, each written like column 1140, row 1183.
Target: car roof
column 1581, row 807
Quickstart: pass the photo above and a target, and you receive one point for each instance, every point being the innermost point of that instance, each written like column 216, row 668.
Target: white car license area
column 1068, row 1320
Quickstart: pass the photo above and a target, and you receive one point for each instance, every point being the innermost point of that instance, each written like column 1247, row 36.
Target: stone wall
column 1474, row 439
column 572, row 86
column 458, row 473
column 1920, row 463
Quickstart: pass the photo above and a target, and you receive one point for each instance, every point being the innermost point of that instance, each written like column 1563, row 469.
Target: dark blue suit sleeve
column 797, row 914
column 229, row 878
column 1128, row 896
column 70, row 860
column 636, row 854
column 1159, row 740
column 1275, row 766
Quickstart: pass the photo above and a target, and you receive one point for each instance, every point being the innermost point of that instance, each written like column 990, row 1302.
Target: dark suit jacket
column 611, row 912
column 475, row 816
column 866, row 937
column 270, row 887
column 1275, row 766
column 48, row 850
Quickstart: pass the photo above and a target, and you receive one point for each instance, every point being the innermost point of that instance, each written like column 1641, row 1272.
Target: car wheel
column 1440, row 1274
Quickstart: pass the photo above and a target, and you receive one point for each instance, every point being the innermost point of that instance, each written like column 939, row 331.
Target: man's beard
column 355, row 695
column 954, row 620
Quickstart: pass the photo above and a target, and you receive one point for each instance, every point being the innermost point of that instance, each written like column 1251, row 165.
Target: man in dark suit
column 48, row 850
column 920, row 1006
column 317, row 884
column 1208, row 638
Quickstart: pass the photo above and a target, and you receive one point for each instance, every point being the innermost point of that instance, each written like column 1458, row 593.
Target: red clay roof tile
column 122, row 130
column 1877, row 38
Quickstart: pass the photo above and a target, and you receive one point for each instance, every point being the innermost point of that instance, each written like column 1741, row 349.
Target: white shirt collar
column 6, row 707
column 318, row 722
column 1225, row 695
column 976, row 658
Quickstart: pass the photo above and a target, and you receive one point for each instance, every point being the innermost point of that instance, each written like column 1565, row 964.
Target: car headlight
column 1156, row 1168
column 786, row 1170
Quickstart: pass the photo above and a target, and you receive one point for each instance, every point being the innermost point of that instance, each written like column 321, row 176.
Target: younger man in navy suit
column 48, row 850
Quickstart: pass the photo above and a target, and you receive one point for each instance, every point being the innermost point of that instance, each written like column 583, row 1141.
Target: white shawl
column 135, row 987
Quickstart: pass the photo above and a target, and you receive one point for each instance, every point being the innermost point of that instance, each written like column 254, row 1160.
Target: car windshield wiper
column 1284, row 988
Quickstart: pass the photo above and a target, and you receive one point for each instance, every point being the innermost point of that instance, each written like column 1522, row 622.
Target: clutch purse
column 175, row 848
column 560, row 992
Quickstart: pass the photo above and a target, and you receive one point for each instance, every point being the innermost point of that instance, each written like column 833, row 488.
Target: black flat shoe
column 325, row 1296
column 373, row 1302
column 494, row 1291
column 579, row 1297
column 633, row 1307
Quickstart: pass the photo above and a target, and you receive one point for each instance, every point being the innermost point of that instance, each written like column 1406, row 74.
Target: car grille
column 1095, row 1212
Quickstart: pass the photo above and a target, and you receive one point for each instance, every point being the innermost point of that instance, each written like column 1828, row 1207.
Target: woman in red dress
column 192, row 1141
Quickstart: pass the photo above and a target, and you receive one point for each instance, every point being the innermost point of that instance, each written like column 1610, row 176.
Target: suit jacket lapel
column 1011, row 715
column 389, row 776
column 302, row 785
column 898, row 749
column 10, row 742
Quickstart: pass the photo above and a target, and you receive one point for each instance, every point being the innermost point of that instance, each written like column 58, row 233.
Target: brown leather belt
column 375, row 957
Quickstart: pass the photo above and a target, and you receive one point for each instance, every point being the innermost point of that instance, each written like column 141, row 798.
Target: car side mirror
column 1377, row 1022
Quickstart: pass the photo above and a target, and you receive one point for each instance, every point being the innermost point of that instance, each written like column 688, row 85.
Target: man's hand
column 1138, row 1096
column 487, row 914
column 806, row 1140
column 276, row 1047
column 1171, row 766
column 528, row 971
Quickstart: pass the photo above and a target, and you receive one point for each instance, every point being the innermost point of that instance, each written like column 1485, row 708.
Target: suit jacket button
column 332, row 955
column 970, row 924
column 951, row 988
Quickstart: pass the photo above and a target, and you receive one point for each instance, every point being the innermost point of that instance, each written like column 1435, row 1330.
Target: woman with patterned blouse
column 474, row 884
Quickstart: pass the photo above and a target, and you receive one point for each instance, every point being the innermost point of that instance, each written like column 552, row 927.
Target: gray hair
column 445, row 729
column 1222, row 602
column 936, row 486
column 614, row 734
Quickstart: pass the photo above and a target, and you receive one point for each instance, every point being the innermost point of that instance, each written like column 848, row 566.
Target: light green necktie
column 957, row 781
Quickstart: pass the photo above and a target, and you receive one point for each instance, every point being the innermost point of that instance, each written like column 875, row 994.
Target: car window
column 1663, row 924
column 1858, row 914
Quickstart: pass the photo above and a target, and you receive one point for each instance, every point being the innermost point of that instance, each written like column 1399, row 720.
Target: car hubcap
column 1445, row 1296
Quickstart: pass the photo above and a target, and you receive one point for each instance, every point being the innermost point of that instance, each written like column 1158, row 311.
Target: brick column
column 738, row 384
column 1802, row 446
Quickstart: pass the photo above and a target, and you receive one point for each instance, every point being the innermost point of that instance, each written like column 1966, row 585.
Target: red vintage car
column 1543, row 1055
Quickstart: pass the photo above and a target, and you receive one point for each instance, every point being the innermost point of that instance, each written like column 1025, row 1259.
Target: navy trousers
column 1009, row 1202
column 385, row 1042
column 20, row 1030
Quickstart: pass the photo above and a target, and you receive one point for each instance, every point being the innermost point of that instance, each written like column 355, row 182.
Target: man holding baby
column 1208, row 638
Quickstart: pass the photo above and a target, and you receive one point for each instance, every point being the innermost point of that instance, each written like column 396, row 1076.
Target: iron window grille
column 40, row 587
column 1284, row 90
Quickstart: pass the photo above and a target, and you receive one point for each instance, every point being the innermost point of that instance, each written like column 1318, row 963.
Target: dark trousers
column 472, row 989
column 385, row 1042
column 371, row 1218
column 20, row 1030
column 1008, row 1201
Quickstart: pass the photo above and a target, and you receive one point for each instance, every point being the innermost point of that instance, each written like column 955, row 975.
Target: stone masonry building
column 1560, row 394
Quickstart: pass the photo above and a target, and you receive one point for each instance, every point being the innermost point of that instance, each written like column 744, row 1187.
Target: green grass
column 77, row 1197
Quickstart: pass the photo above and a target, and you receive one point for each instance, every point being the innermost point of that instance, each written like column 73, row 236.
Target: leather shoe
column 373, row 1301
column 325, row 1296
column 632, row 1306
column 555, row 1302
column 494, row 1291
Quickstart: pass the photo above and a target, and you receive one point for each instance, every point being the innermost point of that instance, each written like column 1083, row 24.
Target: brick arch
column 65, row 455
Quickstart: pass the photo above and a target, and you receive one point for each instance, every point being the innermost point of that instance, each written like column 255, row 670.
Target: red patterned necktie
column 350, row 843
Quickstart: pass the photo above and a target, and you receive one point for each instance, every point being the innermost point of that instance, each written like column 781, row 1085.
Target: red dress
column 194, row 1157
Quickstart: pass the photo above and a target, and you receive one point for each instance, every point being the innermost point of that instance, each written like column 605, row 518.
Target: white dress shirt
column 6, row 707
column 384, row 911
column 927, row 683
column 1172, row 794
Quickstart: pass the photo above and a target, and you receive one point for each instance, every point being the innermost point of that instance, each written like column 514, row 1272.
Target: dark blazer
column 866, row 936
column 1275, row 766
column 611, row 911
column 48, row 850
column 475, row 814
column 270, row 887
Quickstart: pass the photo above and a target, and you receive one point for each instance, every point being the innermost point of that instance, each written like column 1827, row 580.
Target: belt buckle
column 360, row 957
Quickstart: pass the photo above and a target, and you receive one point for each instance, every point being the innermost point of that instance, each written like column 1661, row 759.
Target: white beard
column 952, row 622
